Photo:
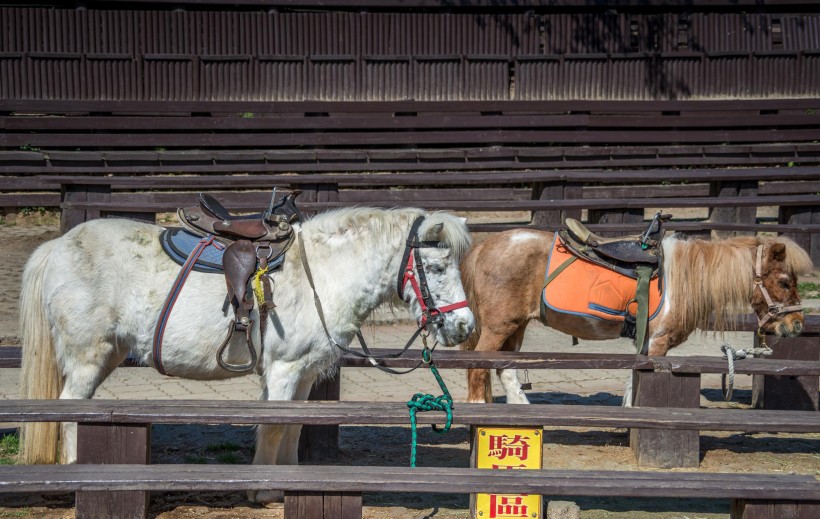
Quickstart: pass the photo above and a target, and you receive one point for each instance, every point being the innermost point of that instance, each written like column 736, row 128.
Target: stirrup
column 236, row 368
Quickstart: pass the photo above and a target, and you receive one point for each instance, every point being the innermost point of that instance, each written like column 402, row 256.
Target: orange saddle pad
column 590, row 290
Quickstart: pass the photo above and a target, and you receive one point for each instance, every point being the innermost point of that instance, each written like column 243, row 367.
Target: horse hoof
column 264, row 497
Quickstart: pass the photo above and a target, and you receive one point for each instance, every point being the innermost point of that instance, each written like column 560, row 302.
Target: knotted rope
column 257, row 285
column 732, row 355
column 421, row 402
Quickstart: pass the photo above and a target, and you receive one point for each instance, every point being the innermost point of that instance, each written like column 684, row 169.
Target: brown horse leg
column 659, row 345
column 509, row 377
column 663, row 341
column 479, row 383
column 479, row 386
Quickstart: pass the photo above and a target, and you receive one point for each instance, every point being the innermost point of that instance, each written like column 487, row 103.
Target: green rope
column 422, row 402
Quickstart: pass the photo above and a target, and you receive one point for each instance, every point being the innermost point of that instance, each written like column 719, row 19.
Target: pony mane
column 715, row 278
column 386, row 224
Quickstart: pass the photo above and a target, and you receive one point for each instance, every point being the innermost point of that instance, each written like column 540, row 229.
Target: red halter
column 429, row 311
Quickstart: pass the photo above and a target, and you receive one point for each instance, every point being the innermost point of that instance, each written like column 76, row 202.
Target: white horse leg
column 282, row 382
column 289, row 450
column 83, row 376
column 509, row 377
column 512, row 386
column 627, row 401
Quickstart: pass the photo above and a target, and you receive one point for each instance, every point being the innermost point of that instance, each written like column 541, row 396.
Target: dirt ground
column 564, row 448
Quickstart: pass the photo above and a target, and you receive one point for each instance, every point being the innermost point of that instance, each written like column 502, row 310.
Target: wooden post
column 323, row 505
column 70, row 218
column 788, row 392
column 554, row 219
column 108, row 444
column 321, row 442
column 132, row 215
column 803, row 215
column 318, row 193
column 733, row 214
column 770, row 509
column 615, row 216
column 665, row 448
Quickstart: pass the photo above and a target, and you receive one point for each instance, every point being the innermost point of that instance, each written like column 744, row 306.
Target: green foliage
column 194, row 459
column 29, row 147
column 808, row 290
column 226, row 452
column 28, row 211
column 223, row 447
column 791, row 164
column 247, row 115
column 230, row 458
column 810, row 111
column 9, row 447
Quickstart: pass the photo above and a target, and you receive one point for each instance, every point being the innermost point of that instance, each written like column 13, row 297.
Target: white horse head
column 427, row 278
column 367, row 239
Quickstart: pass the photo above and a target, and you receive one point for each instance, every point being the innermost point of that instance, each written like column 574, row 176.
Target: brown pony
column 503, row 277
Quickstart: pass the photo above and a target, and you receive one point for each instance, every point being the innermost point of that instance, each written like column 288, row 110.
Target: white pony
column 92, row 297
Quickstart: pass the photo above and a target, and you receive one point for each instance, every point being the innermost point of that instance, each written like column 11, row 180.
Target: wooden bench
column 613, row 207
column 116, row 432
column 314, row 492
column 658, row 382
column 519, row 158
column 778, row 383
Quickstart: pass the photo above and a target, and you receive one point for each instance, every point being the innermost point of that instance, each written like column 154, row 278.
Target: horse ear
column 434, row 232
column 463, row 219
column 777, row 252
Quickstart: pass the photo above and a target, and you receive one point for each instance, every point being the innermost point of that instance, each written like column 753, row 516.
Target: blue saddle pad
column 178, row 243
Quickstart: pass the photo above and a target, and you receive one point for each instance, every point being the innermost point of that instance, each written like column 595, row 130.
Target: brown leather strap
column 775, row 309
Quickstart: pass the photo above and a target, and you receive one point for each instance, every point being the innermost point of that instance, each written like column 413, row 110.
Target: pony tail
column 39, row 376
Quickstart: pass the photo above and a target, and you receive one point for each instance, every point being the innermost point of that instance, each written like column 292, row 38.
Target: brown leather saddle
column 255, row 241
column 622, row 254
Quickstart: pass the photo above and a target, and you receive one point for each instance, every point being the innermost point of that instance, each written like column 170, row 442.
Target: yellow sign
column 508, row 449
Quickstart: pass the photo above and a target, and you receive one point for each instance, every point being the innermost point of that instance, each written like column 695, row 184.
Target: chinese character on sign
column 514, row 447
column 503, row 506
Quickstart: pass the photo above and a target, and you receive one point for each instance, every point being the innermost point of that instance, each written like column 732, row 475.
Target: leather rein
column 775, row 310
column 418, row 281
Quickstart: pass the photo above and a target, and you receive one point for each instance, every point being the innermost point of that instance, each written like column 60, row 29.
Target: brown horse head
column 775, row 299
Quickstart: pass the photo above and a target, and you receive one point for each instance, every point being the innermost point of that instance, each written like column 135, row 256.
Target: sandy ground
column 564, row 448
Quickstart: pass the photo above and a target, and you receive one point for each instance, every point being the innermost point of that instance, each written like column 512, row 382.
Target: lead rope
column 732, row 355
column 422, row 402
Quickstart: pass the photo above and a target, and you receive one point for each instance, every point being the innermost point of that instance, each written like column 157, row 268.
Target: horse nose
column 797, row 326
column 465, row 328
column 466, row 325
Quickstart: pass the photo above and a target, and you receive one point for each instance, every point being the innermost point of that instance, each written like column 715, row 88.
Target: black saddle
column 623, row 253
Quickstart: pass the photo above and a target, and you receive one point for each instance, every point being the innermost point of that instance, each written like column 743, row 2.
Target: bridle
column 418, row 280
column 775, row 310
column 430, row 313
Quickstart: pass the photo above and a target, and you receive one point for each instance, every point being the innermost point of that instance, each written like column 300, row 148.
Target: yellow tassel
column 257, row 286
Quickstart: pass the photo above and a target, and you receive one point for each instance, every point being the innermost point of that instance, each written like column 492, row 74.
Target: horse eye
column 436, row 269
column 784, row 285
